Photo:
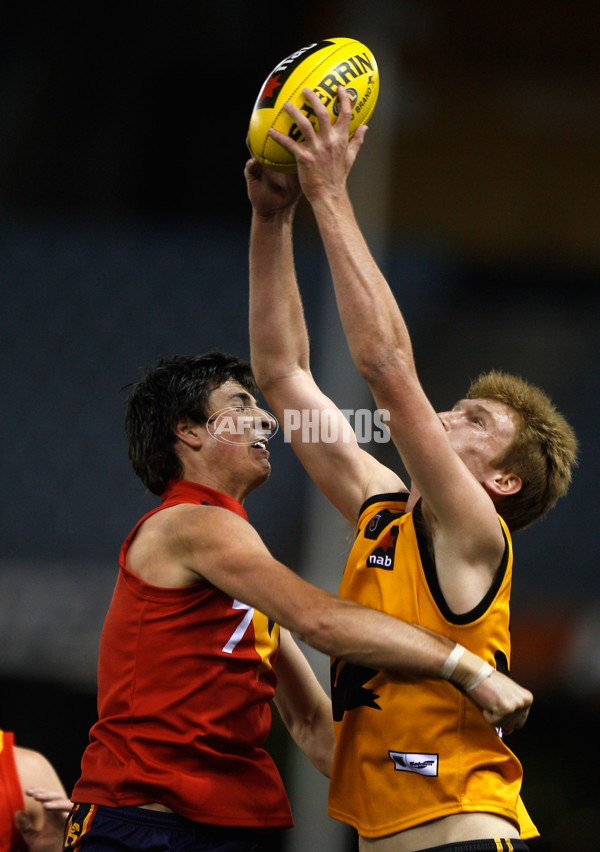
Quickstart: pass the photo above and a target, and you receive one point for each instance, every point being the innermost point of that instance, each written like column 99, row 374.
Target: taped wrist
column 484, row 671
column 465, row 669
column 451, row 662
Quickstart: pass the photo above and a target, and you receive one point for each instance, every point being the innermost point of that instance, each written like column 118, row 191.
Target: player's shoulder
column 175, row 546
column 185, row 521
column 31, row 765
column 192, row 527
column 27, row 756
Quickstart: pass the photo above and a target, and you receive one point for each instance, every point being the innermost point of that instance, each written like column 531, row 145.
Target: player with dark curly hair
column 197, row 642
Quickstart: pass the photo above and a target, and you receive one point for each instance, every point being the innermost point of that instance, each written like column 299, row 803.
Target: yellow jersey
column 411, row 750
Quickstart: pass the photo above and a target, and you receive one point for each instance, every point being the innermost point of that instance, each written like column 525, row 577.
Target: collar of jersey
column 184, row 491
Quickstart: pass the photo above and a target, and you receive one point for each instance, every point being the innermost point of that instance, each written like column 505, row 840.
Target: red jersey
column 11, row 796
column 185, row 677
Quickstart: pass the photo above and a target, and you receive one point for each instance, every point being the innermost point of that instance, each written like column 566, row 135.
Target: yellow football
column 322, row 67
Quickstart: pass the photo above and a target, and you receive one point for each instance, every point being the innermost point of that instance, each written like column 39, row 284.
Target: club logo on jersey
column 348, row 690
column 383, row 518
column 383, row 555
column 422, row 764
column 374, row 523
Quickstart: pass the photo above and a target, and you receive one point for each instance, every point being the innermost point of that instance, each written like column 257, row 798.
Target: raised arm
column 380, row 343
column 280, row 351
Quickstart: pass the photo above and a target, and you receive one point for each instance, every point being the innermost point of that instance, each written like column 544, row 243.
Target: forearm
column 278, row 336
column 234, row 557
column 375, row 329
column 313, row 733
column 319, row 738
column 374, row 640
column 370, row 638
column 304, row 706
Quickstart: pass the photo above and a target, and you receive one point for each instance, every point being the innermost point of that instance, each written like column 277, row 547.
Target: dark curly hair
column 176, row 387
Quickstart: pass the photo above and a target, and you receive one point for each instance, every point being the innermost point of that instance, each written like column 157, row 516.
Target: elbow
column 370, row 367
column 262, row 366
column 382, row 369
column 263, row 378
column 269, row 370
column 267, row 375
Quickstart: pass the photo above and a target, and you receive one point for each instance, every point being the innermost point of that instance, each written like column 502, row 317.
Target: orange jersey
column 411, row 750
column 185, row 677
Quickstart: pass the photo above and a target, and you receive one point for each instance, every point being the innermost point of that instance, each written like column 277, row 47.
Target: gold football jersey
column 411, row 750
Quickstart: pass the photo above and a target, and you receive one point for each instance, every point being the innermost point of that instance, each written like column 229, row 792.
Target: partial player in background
column 416, row 765
column 33, row 802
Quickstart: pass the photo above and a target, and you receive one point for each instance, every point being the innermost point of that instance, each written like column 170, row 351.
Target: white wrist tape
column 484, row 671
column 451, row 662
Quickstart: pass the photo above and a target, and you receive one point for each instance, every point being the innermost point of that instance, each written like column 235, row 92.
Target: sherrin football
column 322, row 67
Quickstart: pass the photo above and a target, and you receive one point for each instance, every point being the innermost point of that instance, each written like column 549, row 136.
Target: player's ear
column 503, row 483
column 190, row 432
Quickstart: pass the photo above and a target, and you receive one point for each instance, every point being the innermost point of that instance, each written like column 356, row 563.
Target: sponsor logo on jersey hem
column 422, row 764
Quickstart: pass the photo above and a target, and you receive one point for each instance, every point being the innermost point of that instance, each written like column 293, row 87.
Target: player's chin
column 259, row 480
column 263, row 472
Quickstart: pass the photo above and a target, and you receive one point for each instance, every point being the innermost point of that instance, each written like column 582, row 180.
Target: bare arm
column 345, row 473
column 46, row 803
column 303, row 705
column 233, row 557
column 381, row 349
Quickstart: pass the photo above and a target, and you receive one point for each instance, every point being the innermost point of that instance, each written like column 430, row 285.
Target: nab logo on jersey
column 383, row 555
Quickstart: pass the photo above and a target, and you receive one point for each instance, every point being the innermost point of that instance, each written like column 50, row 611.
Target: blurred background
column 123, row 237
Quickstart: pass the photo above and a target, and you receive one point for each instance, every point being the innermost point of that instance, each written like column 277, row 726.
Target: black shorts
column 96, row 828
column 496, row 844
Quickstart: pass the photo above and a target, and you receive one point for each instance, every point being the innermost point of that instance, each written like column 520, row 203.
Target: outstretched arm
column 381, row 348
column 280, row 352
column 219, row 546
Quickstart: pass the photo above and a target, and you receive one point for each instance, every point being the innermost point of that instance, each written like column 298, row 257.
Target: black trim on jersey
column 394, row 497
column 431, row 576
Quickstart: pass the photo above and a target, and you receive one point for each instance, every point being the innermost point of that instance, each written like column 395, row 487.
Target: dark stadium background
column 123, row 236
